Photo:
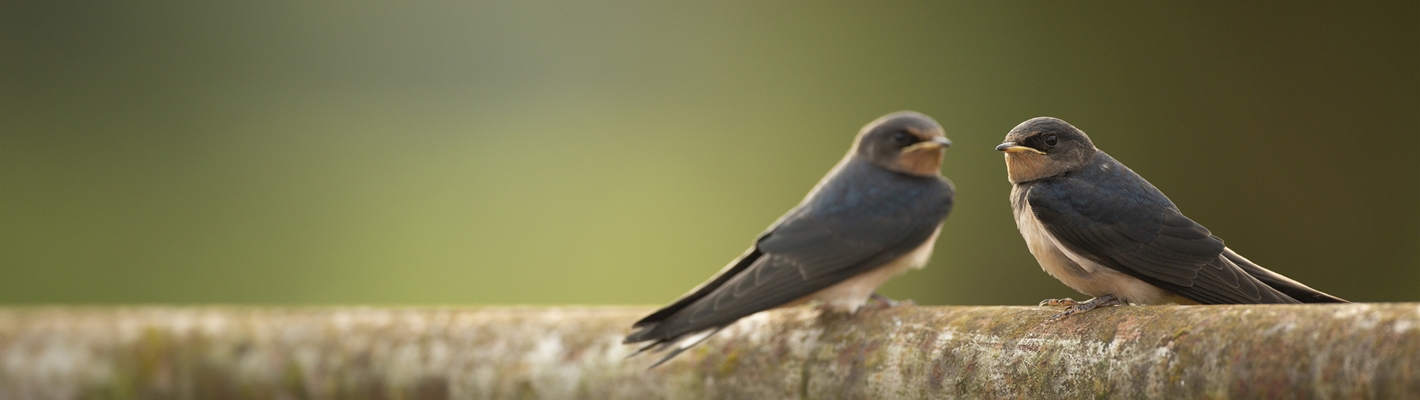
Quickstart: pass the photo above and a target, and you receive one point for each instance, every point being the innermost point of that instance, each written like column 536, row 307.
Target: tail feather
column 677, row 344
column 658, row 346
column 1291, row 288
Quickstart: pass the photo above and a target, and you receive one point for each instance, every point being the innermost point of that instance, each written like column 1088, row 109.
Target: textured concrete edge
column 1351, row 351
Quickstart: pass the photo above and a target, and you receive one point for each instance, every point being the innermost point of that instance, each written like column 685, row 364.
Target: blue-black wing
column 839, row 231
column 1114, row 217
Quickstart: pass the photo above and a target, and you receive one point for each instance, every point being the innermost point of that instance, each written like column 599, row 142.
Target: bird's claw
column 1057, row 302
column 880, row 302
column 1072, row 307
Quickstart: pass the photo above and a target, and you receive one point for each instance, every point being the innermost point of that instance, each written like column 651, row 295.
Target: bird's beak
column 935, row 143
column 1012, row 147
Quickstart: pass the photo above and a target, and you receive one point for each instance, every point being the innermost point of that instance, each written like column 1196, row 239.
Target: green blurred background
column 280, row 152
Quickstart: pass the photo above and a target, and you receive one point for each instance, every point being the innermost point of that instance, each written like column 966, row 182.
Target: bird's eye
column 1051, row 141
column 902, row 138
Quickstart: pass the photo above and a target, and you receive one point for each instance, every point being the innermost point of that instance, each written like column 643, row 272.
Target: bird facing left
column 875, row 215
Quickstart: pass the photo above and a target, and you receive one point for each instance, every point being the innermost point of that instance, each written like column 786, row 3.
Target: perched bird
column 875, row 215
column 1104, row 231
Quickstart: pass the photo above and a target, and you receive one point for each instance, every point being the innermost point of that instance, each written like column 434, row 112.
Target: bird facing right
column 1104, row 231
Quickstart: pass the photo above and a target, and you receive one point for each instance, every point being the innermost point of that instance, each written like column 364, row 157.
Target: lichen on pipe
column 1291, row 351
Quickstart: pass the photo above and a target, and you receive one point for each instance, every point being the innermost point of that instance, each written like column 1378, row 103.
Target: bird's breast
column 1039, row 241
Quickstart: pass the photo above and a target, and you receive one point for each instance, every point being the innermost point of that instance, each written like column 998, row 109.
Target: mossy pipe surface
column 1243, row 351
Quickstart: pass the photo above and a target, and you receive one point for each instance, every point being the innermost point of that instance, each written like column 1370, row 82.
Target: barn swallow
column 1104, row 231
column 875, row 215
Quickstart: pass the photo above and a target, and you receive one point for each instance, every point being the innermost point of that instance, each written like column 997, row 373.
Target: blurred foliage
column 622, row 152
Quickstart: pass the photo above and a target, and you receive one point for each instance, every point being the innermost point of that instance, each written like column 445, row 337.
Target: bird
column 1104, row 231
column 875, row 215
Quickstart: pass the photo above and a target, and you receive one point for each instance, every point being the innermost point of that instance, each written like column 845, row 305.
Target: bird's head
column 1043, row 147
column 904, row 141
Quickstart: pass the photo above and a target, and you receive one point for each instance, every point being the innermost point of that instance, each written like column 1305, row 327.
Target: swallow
column 1103, row 230
column 875, row 215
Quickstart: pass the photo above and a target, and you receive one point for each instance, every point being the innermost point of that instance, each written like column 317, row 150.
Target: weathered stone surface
column 1311, row 351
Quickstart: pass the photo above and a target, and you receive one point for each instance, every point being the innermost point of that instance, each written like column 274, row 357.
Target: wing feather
column 1117, row 219
column 839, row 231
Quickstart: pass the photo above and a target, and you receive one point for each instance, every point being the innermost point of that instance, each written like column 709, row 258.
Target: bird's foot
column 880, row 302
column 1073, row 307
column 1058, row 302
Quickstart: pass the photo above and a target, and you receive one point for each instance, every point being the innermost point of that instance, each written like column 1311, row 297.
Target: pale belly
column 849, row 295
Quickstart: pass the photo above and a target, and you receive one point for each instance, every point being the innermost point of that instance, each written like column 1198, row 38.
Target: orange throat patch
column 1025, row 167
column 925, row 162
